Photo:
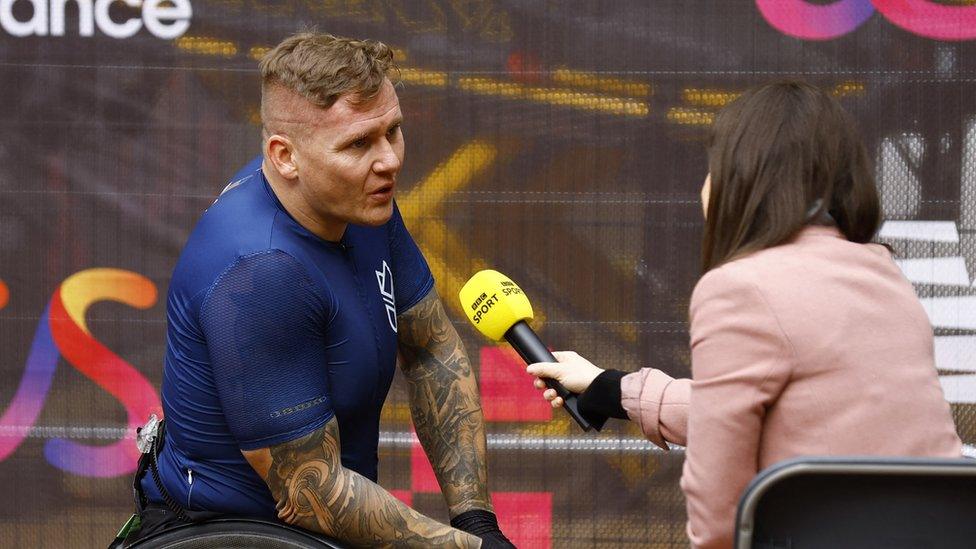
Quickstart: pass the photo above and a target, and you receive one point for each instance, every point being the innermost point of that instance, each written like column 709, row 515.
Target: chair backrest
column 860, row 502
column 228, row 533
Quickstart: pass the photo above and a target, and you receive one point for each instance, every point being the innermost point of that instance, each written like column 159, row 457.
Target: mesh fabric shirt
column 272, row 332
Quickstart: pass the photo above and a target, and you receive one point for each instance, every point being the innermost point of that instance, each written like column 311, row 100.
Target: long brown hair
column 773, row 154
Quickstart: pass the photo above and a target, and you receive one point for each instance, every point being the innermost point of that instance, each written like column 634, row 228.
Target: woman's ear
column 706, row 191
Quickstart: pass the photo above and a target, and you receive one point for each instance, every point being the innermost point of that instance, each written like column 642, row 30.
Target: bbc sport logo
column 164, row 19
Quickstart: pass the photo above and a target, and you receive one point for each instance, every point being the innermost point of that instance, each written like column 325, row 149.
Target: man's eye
column 393, row 131
column 359, row 143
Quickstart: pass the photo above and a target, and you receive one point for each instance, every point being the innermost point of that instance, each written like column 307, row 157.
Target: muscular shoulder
column 239, row 223
column 240, row 220
column 268, row 278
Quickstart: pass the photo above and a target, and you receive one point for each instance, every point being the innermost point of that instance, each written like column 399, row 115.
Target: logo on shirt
column 385, row 279
column 231, row 186
column 299, row 407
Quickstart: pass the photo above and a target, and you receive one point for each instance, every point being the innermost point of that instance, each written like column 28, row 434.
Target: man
column 286, row 311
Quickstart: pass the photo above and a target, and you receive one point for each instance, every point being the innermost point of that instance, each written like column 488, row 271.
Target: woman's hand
column 573, row 371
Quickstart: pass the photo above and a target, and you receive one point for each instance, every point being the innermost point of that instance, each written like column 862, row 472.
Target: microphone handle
column 528, row 345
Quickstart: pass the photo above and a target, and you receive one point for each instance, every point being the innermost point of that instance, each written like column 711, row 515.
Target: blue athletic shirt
column 272, row 331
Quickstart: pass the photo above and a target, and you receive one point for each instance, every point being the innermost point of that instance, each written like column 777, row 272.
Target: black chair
column 243, row 533
column 813, row 503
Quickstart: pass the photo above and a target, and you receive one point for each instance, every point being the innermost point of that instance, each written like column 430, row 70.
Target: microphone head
column 493, row 303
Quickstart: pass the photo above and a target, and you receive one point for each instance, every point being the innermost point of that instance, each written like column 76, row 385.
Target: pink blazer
column 815, row 347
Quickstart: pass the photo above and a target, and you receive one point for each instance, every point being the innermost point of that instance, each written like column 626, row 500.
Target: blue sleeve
column 264, row 321
column 412, row 279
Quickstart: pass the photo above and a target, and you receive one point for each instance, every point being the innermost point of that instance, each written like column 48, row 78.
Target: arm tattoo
column 315, row 492
column 444, row 403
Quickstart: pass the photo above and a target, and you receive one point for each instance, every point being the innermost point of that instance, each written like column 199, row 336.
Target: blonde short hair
column 322, row 67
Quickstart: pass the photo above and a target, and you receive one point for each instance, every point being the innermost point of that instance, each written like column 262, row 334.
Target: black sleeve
column 602, row 398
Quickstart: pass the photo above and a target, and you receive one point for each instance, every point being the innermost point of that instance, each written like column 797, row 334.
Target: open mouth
column 383, row 192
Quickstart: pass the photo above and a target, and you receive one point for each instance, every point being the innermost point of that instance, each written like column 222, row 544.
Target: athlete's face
column 349, row 159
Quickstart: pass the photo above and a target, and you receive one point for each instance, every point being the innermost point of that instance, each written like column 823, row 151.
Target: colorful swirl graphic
column 929, row 19
column 807, row 21
column 815, row 22
column 20, row 416
column 64, row 331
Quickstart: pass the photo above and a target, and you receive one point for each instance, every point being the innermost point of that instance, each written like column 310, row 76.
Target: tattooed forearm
column 315, row 492
column 444, row 403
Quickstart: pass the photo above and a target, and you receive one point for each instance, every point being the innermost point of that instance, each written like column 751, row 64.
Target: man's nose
column 388, row 161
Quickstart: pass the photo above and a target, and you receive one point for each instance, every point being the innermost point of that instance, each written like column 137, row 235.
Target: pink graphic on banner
column 930, row 19
column 507, row 393
column 802, row 19
column 406, row 496
column 525, row 517
column 808, row 21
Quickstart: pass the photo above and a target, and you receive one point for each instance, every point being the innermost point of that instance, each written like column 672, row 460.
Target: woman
column 805, row 338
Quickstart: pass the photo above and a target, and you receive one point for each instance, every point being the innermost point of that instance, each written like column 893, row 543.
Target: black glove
column 483, row 524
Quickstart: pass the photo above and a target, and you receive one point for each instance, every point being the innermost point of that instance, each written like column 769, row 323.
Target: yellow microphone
column 498, row 308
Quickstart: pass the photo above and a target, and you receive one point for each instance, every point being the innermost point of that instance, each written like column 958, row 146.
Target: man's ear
column 280, row 150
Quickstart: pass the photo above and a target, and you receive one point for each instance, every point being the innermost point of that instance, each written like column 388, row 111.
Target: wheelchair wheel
column 235, row 533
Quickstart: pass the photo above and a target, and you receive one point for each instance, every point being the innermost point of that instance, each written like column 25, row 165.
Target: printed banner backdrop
column 558, row 142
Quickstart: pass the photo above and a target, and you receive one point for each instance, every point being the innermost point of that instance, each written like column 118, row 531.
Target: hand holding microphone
column 498, row 309
column 574, row 372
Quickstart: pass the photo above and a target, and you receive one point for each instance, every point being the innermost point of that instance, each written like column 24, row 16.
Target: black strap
column 170, row 502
